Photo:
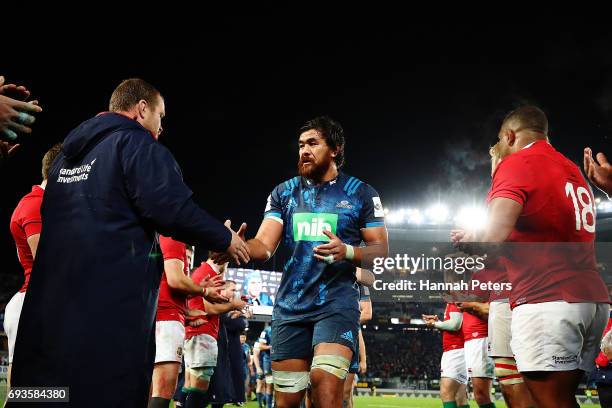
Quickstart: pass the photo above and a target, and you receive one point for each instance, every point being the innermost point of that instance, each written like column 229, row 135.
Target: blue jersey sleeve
column 274, row 207
column 155, row 186
column 372, row 213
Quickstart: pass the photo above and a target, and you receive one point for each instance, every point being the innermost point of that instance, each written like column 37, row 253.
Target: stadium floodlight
column 471, row 218
column 395, row 217
column 415, row 217
column 437, row 213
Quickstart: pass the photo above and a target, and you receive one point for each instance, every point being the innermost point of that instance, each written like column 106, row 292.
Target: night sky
column 420, row 104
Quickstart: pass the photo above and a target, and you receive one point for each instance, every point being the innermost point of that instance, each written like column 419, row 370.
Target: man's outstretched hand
column 16, row 115
column 19, row 92
column 238, row 251
column 430, row 319
column 598, row 170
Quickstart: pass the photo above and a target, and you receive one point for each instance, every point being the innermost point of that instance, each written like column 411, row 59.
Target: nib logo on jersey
column 76, row 174
column 310, row 226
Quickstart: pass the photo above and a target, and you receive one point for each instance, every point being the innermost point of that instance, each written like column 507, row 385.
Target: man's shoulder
column 28, row 203
column 288, row 186
column 354, row 186
column 33, row 197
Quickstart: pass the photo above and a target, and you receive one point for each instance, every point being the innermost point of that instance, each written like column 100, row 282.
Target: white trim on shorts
column 169, row 339
column 12, row 313
column 557, row 336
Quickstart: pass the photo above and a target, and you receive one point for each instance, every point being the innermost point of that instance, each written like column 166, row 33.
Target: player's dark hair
column 331, row 131
column 129, row 92
column 48, row 159
column 529, row 117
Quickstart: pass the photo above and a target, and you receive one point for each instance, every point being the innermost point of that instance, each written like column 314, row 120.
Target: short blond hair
column 129, row 92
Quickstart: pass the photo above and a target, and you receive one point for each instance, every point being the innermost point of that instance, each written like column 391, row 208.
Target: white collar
column 529, row 145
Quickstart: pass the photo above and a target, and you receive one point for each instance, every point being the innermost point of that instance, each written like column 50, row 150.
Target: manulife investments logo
column 310, row 226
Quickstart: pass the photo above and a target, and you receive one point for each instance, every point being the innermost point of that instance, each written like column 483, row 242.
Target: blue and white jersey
column 344, row 206
column 265, row 338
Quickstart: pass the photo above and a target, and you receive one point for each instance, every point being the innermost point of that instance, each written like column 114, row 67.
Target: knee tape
column 335, row 365
column 202, row 373
column 290, row 381
column 506, row 371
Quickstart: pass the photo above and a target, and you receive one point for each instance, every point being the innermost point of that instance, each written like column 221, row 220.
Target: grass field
column 374, row 402
column 393, row 402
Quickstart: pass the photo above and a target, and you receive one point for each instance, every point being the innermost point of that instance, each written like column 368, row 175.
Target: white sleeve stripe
column 272, row 217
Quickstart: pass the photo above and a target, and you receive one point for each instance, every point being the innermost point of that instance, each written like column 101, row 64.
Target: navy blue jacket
column 88, row 321
column 227, row 382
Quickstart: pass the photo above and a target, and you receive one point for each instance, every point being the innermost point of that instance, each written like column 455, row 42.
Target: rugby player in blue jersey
column 322, row 216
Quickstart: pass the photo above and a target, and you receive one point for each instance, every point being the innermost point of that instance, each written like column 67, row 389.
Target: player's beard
column 316, row 170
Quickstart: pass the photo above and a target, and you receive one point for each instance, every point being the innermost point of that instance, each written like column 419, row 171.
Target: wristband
column 350, row 252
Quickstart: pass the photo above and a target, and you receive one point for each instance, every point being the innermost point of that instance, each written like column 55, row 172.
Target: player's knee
column 332, row 364
column 202, row 374
column 506, row 372
column 348, row 388
column 282, row 400
column 446, row 394
column 482, row 395
column 269, row 380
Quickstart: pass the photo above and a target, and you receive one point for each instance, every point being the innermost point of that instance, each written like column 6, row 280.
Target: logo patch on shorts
column 179, row 352
column 561, row 360
column 348, row 336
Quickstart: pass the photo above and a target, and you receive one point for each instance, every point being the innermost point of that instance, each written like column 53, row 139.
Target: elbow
column 456, row 325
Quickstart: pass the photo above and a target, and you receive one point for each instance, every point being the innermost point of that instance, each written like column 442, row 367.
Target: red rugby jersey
column 451, row 340
column 26, row 222
column 171, row 303
column 211, row 327
column 558, row 222
column 474, row 327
